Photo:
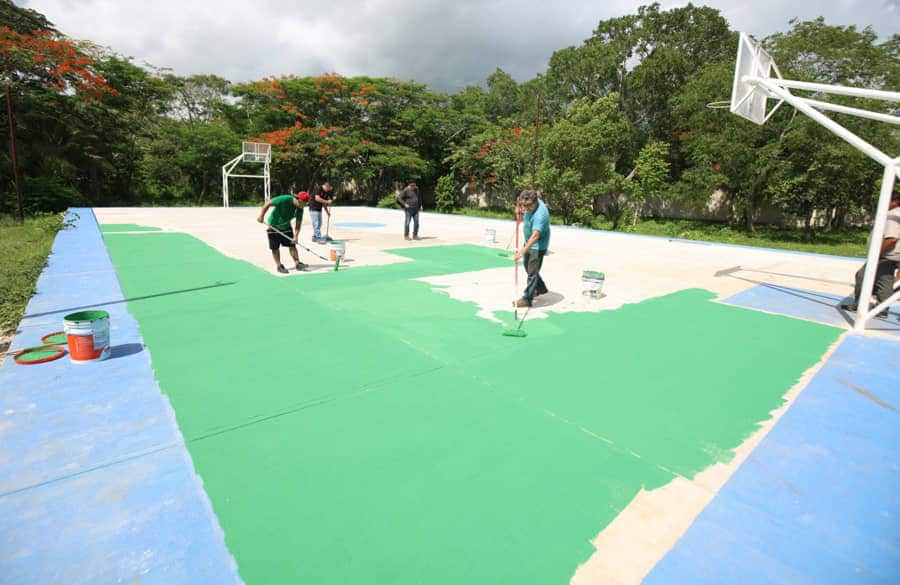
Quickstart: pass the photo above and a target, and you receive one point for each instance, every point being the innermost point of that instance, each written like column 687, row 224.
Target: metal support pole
column 15, row 161
column 224, row 187
column 877, row 116
column 799, row 103
column 876, row 94
column 863, row 314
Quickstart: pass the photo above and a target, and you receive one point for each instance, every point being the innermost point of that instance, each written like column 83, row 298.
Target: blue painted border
column 96, row 485
column 816, row 501
column 809, row 305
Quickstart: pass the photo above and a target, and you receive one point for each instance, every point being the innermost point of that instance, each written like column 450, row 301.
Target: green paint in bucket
column 87, row 333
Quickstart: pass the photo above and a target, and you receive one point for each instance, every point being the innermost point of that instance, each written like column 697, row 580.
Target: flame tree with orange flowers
column 47, row 58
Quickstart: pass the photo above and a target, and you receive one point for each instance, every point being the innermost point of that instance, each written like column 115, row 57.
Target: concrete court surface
column 637, row 268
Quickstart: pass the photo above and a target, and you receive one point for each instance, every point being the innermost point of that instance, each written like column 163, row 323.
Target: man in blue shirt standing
column 536, row 229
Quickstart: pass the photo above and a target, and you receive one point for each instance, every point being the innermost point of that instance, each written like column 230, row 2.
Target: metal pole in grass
column 15, row 159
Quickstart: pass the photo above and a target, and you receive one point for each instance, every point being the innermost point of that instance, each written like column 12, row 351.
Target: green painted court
column 361, row 426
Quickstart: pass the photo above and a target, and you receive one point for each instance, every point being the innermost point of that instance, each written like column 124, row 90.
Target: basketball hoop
column 757, row 80
column 251, row 152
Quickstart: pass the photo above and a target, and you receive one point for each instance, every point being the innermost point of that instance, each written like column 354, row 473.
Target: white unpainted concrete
column 637, row 268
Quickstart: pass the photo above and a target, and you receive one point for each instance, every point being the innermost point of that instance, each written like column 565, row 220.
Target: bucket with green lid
column 87, row 334
column 592, row 283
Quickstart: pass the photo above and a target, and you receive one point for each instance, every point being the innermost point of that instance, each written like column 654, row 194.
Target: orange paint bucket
column 87, row 334
column 337, row 250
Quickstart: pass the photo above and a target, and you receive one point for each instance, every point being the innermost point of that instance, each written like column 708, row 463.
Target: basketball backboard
column 257, row 152
column 748, row 99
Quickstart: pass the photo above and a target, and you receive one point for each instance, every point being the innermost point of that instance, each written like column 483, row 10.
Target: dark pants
column 884, row 281
column 276, row 239
column 412, row 214
column 533, row 260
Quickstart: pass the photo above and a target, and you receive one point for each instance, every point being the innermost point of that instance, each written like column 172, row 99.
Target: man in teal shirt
column 284, row 208
column 536, row 229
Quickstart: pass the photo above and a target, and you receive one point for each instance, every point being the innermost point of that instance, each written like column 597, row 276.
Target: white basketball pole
column 891, row 170
column 761, row 63
column 252, row 152
column 772, row 85
column 863, row 314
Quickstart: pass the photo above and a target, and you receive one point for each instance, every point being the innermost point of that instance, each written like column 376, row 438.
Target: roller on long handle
column 328, row 212
column 285, row 236
column 516, row 262
column 517, row 331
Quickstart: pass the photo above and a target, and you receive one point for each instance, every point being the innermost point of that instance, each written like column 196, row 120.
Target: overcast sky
column 444, row 43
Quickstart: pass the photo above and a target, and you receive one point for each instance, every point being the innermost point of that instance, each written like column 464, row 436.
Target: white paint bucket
column 592, row 283
column 87, row 334
column 337, row 250
column 490, row 236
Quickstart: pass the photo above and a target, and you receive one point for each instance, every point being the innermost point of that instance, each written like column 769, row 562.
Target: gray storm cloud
column 446, row 45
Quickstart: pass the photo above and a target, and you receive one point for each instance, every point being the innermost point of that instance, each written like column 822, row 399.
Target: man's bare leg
column 297, row 264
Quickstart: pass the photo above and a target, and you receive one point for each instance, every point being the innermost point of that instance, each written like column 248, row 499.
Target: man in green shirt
column 284, row 207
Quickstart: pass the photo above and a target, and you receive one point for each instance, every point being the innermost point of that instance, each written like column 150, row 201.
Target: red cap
column 303, row 196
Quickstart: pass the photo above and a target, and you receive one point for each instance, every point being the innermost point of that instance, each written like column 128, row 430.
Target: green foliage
column 389, row 201
column 844, row 242
column 624, row 125
column 22, row 20
column 497, row 161
column 23, row 254
column 446, row 195
column 580, row 155
column 723, row 151
column 502, row 99
column 651, row 174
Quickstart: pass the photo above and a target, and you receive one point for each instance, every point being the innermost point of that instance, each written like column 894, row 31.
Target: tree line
column 623, row 119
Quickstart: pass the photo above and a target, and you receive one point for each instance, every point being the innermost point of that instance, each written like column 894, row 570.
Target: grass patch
column 846, row 242
column 23, row 254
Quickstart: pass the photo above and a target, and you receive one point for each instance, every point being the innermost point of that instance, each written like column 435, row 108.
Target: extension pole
column 15, row 160
column 516, row 262
column 534, row 152
column 284, row 235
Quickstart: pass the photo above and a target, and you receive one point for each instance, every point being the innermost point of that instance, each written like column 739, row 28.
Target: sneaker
column 282, row 269
column 521, row 304
column 300, row 266
column 407, row 238
column 327, row 239
column 416, row 238
column 849, row 307
column 541, row 291
column 882, row 315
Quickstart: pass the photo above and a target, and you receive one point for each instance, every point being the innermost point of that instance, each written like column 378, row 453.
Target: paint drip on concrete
column 356, row 427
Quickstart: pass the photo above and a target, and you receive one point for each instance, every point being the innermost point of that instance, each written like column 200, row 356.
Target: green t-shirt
column 283, row 211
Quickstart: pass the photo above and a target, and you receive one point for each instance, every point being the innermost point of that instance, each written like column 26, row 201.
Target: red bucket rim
column 60, row 351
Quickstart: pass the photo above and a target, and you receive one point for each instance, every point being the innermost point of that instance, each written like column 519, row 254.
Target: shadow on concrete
column 141, row 298
column 548, row 299
column 125, row 349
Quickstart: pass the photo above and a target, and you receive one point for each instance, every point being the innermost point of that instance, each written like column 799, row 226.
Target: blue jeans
column 316, row 217
column 533, row 260
column 412, row 214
